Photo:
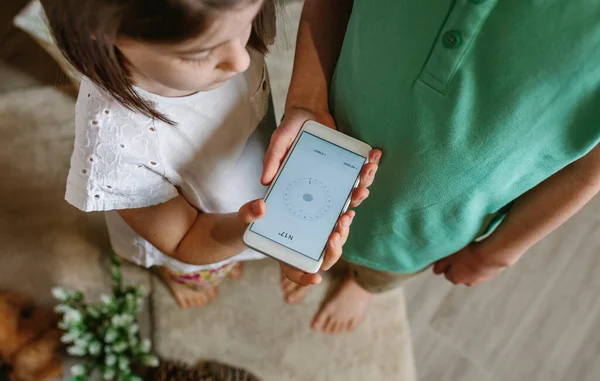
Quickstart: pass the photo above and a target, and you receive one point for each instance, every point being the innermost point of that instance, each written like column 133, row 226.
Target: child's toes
column 237, row 272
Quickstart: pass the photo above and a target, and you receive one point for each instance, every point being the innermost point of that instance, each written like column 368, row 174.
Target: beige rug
column 249, row 325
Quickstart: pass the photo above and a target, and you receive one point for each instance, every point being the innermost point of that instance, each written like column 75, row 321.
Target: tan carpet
column 249, row 325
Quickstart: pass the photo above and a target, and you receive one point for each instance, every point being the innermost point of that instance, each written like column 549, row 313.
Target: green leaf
column 94, row 312
column 150, row 360
column 109, row 373
column 77, row 296
column 79, row 378
column 119, row 347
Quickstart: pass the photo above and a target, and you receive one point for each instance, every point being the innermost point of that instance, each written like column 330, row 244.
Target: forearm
column 212, row 238
column 177, row 229
column 320, row 37
column 545, row 208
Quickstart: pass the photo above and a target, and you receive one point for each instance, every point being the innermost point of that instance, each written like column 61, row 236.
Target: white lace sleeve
column 116, row 162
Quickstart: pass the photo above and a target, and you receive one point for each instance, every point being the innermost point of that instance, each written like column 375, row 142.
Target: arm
column 535, row 215
column 177, row 229
column 320, row 37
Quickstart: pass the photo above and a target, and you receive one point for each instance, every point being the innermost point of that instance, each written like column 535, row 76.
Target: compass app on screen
column 309, row 195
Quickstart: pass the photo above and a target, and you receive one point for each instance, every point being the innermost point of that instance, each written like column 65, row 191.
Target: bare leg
column 186, row 296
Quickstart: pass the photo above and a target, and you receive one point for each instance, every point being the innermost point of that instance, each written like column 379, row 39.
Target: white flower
column 107, row 300
column 150, row 360
column 81, row 343
column 73, row 317
column 110, row 360
column 76, row 351
column 111, row 335
column 62, row 308
column 133, row 329
column 60, row 293
column 69, row 337
column 123, row 364
column 115, row 321
column 62, row 325
column 78, row 370
column 95, row 348
column 146, row 346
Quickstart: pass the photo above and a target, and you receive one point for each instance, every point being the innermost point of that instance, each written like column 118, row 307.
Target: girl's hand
column 470, row 266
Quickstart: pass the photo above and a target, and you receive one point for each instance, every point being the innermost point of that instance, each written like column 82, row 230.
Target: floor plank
column 438, row 361
column 483, row 321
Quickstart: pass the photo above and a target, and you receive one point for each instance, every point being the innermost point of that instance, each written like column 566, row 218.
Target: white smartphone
column 307, row 197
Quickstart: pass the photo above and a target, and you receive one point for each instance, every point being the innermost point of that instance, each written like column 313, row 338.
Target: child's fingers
column 367, row 174
column 252, row 211
column 300, row 277
column 442, row 265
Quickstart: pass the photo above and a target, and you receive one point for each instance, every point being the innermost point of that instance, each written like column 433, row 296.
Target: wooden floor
column 540, row 320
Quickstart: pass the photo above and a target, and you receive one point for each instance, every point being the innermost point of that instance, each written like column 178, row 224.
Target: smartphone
column 308, row 196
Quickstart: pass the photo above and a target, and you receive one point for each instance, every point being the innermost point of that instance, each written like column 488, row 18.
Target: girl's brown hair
column 86, row 30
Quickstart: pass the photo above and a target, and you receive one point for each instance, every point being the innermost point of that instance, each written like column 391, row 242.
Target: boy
column 488, row 114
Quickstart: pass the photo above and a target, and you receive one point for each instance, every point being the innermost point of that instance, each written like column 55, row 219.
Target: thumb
column 441, row 266
column 281, row 141
column 252, row 211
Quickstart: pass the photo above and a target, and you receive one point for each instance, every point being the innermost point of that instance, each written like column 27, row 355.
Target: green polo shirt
column 474, row 102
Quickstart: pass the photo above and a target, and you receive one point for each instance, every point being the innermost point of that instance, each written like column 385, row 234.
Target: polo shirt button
column 451, row 39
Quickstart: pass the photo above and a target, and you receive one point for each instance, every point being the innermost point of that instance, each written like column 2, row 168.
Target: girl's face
column 200, row 64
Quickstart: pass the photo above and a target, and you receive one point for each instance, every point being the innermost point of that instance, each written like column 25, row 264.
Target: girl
column 172, row 122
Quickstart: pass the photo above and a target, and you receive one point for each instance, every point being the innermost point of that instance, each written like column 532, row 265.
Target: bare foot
column 293, row 293
column 187, row 297
column 237, row 272
column 345, row 310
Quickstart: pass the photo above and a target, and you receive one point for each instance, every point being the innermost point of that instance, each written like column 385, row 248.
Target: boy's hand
column 470, row 266
column 281, row 141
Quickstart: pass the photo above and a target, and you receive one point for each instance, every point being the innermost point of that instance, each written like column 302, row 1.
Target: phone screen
column 309, row 195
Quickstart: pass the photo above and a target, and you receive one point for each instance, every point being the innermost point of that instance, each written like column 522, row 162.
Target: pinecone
column 207, row 371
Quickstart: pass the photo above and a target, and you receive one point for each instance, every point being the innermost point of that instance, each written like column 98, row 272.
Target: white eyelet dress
column 213, row 157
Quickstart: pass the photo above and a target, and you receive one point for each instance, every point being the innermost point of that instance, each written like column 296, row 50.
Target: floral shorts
column 201, row 279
